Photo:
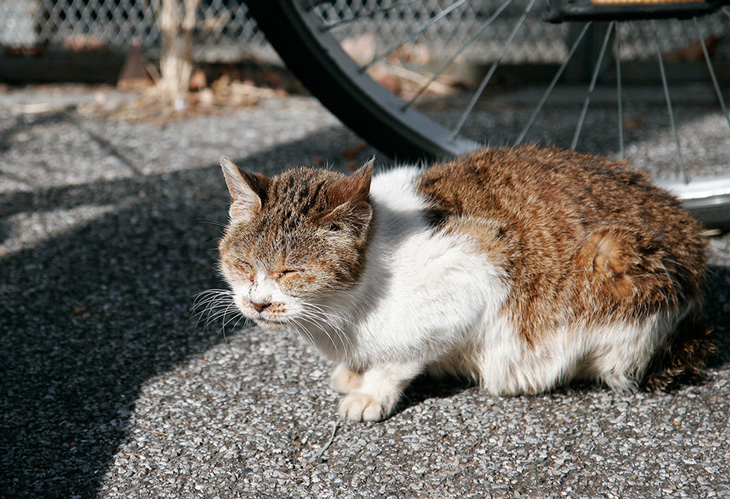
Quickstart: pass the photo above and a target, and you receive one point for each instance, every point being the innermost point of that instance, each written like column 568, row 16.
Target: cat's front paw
column 363, row 407
column 345, row 380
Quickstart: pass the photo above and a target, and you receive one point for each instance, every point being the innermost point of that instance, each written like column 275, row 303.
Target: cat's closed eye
column 286, row 272
column 244, row 267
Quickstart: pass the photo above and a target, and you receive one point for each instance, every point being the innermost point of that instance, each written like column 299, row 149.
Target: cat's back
column 555, row 199
column 564, row 190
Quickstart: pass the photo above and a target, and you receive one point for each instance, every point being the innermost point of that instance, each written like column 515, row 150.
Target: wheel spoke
column 311, row 4
column 448, row 10
column 711, row 69
column 668, row 99
column 448, row 63
column 491, row 71
column 553, row 82
column 592, row 86
column 619, row 94
column 370, row 14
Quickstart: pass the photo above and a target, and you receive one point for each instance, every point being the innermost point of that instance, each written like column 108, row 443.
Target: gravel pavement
column 109, row 388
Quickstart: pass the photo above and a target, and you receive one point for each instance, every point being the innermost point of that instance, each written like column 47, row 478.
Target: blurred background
column 88, row 40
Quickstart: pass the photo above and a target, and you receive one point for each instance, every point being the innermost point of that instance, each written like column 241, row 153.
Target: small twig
column 40, row 108
column 155, row 432
column 711, row 232
column 291, row 476
column 417, row 78
column 319, row 454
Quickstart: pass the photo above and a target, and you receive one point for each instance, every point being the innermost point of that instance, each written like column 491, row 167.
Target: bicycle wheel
column 305, row 34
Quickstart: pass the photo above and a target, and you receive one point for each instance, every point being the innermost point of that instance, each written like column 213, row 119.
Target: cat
column 522, row 269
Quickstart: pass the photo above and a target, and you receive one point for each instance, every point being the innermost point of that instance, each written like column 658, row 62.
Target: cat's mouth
column 265, row 323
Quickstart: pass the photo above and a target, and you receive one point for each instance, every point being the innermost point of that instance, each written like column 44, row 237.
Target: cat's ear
column 248, row 190
column 354, row 189
column 348, row 197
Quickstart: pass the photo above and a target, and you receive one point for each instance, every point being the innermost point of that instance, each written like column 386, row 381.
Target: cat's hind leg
column 380, row 390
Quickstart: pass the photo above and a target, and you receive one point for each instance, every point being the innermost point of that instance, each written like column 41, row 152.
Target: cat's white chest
column 419, row 284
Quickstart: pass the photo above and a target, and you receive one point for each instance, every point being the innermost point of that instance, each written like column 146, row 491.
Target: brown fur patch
column 611, row 254
column 582, row 238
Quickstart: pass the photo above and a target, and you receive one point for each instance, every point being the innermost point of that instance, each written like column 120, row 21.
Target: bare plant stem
column 177, row 22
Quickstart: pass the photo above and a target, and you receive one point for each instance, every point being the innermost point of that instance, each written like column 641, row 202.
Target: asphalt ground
column 110, row 388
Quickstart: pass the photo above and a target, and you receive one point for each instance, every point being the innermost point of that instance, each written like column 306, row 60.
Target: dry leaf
column 693, row 51
column 361, row 49
column 198, row 81
column 354, row 151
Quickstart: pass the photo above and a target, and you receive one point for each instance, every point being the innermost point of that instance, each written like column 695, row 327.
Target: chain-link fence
column 225, row 31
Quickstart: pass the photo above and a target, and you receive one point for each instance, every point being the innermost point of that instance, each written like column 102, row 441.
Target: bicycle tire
column 356, row 99
column 379, row 117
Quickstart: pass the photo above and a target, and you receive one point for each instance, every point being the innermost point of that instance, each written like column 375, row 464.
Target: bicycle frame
column 625, row 10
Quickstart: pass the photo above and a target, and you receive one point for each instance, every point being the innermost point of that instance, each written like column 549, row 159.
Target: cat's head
column 293, row 239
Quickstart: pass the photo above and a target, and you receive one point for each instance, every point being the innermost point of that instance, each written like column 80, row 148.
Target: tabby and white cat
column 520, row 268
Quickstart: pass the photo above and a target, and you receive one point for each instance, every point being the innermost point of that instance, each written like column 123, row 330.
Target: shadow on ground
column 717, row 314
column 88, row 316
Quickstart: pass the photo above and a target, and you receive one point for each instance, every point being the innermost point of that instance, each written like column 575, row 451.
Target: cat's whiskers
column 215, row 311
column 316, row 314
column 208, row 301
column 215, row 304
column 301, row 329
column 331, row 311
column 238, row 315
column 316, row 319
column 220, row 311
column 329, row 315
column 214, row 316
column 208, row 296
column 215, row 223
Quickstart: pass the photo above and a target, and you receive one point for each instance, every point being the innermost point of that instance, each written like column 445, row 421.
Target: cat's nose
column 260, row 307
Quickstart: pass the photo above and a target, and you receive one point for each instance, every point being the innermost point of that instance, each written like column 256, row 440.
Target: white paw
column 345, row 380
column 362, row 407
